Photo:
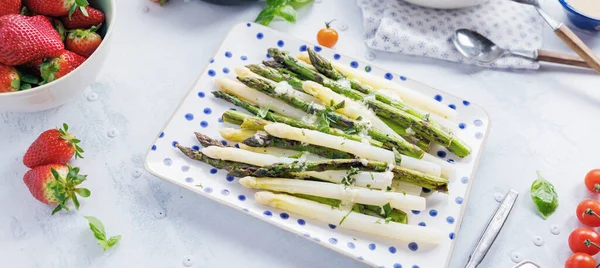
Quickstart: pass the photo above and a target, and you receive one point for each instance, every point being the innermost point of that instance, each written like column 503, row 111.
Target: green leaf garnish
column 544, row 196
column 98, row 229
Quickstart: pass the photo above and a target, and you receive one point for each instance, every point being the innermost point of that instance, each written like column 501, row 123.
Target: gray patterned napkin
column 401, row 27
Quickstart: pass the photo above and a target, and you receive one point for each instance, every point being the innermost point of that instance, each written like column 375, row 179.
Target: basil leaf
column 544, row 196
column 266, row 16
column 276, row 2
column 113, row 240
column 288, row 13
column 97, row 227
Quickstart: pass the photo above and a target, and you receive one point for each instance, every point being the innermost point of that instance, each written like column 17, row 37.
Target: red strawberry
column 10, row 7
column 55, row 8
column 10, row 80
column 161, row 2
column 55, row 184
column 79, row 20
column 83, row 42
column 53, row 146
column 55, row 68
column 24, row 39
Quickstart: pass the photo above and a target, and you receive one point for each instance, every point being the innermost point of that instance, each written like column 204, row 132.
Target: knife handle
column 567, row 36
column 561, row 58
column 492, row 229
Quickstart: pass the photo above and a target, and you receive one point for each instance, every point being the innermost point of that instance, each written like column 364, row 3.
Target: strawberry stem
column 64, row 188
column 71, row 140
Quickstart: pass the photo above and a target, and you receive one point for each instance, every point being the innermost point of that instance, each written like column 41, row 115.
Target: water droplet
column 92, row 96
column 188, row 261
column 554, row 229
column 538, row 241
column 370, row 56
column 499, row 197
column 145, row 9
column 112, row 133
column 159, row 214
column 318, row 1
column 136, row 173
column 342, row 26
column 516, row 257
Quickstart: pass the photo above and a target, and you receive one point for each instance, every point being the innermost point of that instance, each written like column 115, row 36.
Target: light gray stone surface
column 541, row 120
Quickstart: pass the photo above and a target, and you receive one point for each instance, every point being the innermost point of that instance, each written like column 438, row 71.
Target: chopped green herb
column 262, row 113
column 344, row 218
column 199, row 185
column 348, row 179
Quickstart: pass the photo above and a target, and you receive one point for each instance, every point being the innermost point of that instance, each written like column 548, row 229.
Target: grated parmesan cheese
column 364, row 161
column 283, row 88
column 345, row 83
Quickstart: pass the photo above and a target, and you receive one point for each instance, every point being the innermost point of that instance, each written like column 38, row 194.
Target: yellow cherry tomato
column 327, row 37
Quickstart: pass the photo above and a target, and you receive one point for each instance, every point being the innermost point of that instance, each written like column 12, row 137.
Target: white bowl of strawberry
column 51, row 50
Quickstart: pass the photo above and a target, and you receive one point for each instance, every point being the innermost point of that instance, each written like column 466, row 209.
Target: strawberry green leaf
column 25, row 86
column 72, row 11
column 75, row 202
column 65, row 127
column 16, row 84
column 84, row 11
column 31, row 79
column 56, row 209
column 83, row 192
column 97, row 227
column 55, row 174
column 288, row 13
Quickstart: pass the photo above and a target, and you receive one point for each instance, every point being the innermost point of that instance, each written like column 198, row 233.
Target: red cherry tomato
column 584, row 240
column 580, row 260
column 588, row 212
column 592, row 180
column 327, row 37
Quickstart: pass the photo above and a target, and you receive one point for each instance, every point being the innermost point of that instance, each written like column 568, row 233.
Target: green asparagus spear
column 323, row 65
column 274, row 117
column 423, row 127
column 266, row 87
column 285, row 170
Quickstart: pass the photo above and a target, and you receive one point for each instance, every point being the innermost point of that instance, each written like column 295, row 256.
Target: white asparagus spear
column 243, row 156
column 351, row 108
column 337, row 191
column 334, row 142
column 258, row 98
column 354, row 221
column 276, row 151
column 447, row 168
column 373, row 180
column 406, row 187
column 409, row 96
column 424, row 165
column 237, row 135
column 282, row 87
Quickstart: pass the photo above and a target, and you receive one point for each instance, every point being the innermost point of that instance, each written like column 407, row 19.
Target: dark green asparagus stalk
column 233, row 168
column 423, row 127
column 281, row 74
column 324, row 66
column 400, row 173
column 274, row 117
column 285, row 170
column 207, row 141
column 268, row 88
column 264, row 140
column 412, row 138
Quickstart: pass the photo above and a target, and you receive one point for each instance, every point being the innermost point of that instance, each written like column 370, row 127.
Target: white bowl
column 447, row 4
column 70, row 86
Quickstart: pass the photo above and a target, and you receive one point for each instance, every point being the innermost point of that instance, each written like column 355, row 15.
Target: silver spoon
column 567, row 36
column 477, row 47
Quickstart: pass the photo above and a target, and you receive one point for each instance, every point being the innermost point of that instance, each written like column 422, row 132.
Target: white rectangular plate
column 200, row 111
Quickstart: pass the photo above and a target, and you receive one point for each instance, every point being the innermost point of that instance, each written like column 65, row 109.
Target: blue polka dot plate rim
column 200, row 111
